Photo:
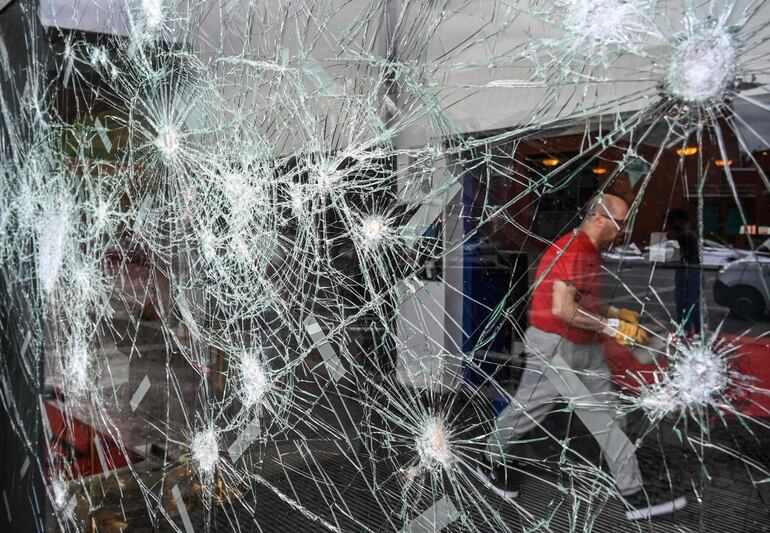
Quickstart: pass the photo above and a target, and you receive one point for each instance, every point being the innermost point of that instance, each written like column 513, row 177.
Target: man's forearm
column 598, row 304
column 584, row 319
column 565, row 306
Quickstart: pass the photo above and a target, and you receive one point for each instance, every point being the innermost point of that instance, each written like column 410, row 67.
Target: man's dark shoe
column 503, row 481
column 645, row 504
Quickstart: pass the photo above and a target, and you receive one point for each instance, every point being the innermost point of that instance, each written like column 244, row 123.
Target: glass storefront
column 384, row 265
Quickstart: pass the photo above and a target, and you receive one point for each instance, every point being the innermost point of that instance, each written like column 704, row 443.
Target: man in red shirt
column 566, row 361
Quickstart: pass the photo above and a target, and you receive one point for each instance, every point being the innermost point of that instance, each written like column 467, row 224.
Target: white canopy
column 468, row 65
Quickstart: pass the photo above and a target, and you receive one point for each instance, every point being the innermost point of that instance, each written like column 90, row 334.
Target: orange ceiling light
column 723, row 163
column 599, row 170
column 687, row 150
column 550, row 162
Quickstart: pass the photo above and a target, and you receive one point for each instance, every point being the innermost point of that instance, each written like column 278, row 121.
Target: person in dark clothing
column 687, row 276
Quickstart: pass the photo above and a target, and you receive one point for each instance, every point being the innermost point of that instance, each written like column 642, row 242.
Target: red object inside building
column 751, row 359
column 73, row 451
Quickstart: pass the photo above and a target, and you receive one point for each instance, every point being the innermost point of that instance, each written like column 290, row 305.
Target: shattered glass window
column 384, row 265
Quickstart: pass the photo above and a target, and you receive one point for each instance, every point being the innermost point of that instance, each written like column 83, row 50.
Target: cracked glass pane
column 384, row 265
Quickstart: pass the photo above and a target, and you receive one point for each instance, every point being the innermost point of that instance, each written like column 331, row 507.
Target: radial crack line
column 296, row 505
column 321, row 342
column 141, row 391
column 187, row 317
column 7, row 507
column 71, row 505
column 245, row 439
column 101, row 130
column 435, row 518
column 24, row 467
column 100, row 453
column 46, row 422
column 25, row 345
column 182, row 509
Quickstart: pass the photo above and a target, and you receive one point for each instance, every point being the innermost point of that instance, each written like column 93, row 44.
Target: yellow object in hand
column 625, row 332
column 624, row 314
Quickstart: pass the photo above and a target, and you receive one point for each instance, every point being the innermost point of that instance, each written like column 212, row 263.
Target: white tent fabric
column 471, row 94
